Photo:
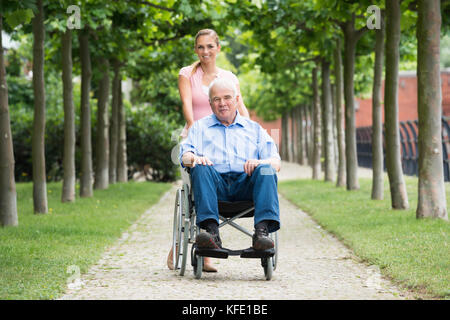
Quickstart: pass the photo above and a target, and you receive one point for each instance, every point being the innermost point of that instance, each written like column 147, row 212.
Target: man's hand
column 250, row 165
column 202, row 160
column 190, row 160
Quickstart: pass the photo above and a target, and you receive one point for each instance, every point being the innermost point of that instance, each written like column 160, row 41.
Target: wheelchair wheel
column 267, row 264
column 274, row 236
column 185, row 229
column 177, row 233
column 198, row 267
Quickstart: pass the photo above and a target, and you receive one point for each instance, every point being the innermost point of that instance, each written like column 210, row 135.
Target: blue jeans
column 210, row 186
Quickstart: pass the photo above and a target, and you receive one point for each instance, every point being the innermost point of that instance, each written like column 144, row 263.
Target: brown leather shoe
column 208, row 240
column 261, row 239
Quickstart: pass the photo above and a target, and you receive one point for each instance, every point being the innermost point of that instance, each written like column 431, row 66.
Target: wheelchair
column 185, row 231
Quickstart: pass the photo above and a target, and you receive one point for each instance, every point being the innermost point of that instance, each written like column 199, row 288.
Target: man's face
column 223, row 104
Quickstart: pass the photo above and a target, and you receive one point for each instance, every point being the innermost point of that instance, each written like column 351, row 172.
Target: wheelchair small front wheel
column 198, row 267
column 267, row 264
column 274, row 237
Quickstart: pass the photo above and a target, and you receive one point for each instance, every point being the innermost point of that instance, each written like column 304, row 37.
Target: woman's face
column 206, row 48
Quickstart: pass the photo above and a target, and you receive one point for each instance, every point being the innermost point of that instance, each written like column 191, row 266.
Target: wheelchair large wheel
column 177, row 230
column 185, row 230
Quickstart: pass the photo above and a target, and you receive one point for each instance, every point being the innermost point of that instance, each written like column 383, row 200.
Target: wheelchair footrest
column 252, row 253
column 213, row 253
column 223, row 253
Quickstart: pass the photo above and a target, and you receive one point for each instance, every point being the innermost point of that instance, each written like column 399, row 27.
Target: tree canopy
column 274, row 47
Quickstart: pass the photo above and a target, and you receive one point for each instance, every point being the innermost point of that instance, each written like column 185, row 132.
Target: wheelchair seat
column 231, row 209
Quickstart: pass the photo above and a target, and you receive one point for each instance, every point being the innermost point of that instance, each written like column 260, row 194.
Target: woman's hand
column 189, row 124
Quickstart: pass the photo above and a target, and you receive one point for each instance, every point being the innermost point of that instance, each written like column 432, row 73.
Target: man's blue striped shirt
column 230, row 147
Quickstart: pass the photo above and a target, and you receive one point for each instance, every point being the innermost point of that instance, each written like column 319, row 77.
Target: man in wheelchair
column 232, row 158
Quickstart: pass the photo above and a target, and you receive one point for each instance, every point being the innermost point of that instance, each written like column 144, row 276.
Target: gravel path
column 312, row 264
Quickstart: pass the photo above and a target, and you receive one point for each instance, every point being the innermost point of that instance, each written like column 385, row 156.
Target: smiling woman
column 194, row 80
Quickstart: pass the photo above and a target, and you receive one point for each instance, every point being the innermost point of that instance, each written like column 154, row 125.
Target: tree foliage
column 272, row 45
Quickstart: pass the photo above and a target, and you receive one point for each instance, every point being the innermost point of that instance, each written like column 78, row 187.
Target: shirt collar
column 238, row 120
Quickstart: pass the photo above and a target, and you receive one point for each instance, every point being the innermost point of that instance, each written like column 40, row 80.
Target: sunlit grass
column 414, row 253
column 34, row 256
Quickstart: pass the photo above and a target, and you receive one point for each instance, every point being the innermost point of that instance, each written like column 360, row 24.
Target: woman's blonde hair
column 204, row 32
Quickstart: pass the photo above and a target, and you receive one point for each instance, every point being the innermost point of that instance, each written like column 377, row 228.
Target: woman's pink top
column 200, row 99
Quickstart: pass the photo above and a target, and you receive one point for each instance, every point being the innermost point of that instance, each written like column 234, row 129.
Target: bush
column 21, row 117
column 149, row 141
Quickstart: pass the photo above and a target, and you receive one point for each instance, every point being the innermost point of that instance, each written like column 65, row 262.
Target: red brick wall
column 407, row 100
column 273, row 127
column 445, row 83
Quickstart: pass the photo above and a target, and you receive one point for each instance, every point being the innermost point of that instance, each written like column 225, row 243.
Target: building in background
column 407, row 99
column 273, row 128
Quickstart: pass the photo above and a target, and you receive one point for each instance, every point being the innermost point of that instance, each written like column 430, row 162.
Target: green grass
column 414, row 253
column 34, row 256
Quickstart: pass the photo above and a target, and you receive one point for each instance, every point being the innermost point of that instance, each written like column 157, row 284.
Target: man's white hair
column 223, row 83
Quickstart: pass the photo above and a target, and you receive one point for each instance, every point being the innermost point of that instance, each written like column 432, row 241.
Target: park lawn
column 35, row 256
column 414, row 253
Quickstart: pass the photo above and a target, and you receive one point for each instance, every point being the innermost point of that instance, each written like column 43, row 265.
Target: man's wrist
column 188, row 159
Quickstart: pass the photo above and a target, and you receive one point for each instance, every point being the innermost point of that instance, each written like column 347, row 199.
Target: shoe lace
column 262, row 232
column 216, row 236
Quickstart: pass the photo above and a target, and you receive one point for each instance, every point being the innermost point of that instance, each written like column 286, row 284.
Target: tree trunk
column 377, row 121
column 330, row 170
column 311, row 133
column 122, row 170
column 307, row 134
column 102, row 143
column 399, row 198
column 317, row 144
column 284, row 137
column 292, row 140
column 341, row 180
column 86, row 144
column 8, row 195
column 38, row 136
column 300, row 136
column 335, row 143
column 304, row 130
column 289, row 137
column 114, row 129
column 432, row 201
column 350, row 41
column 69, row 177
